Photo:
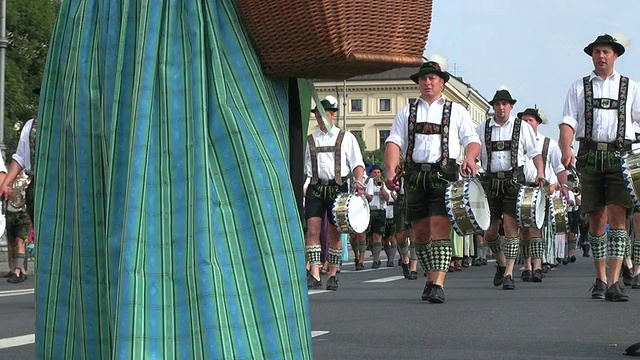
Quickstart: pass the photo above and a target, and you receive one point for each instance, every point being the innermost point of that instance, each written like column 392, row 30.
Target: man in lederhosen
column 507, row 142
column 599, row 112
column 377, row 195
column 531, row 238
column 331, row 155
column 428, row 134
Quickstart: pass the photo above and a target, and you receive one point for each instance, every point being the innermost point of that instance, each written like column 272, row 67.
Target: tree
column 29, row 27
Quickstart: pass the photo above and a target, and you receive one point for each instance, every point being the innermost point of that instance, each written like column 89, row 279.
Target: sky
column 533, row 48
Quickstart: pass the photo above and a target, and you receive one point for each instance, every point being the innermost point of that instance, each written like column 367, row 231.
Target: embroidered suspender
column 545, row 151
column 508, row 145
column 619, row 104
column 337, row 152
column 427, row 128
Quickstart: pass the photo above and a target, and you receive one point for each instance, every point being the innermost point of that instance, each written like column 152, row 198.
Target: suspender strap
column 337, row 152
column 444, row 136
column 545, row 151
column 427, row 128
column 604, row 103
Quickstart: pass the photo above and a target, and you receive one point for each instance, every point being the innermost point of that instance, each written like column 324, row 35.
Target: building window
column 384, row 105
column 384, row 134
column 356, row 105
column 411, row 100
column 356, row 133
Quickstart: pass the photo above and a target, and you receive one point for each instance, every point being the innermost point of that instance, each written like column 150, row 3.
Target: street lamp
column 3, row 52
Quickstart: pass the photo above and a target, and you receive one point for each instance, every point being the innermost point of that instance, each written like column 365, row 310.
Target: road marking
column 313, row 292
column 318, row 333
column 16, row 292
column 365, row 270
column 19, row 341
column 384, row 280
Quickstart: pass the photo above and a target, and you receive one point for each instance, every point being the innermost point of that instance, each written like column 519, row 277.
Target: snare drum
column 467, row 206
column 351, row 213
column 530, row 207
column 631, row 174
column 558, row 215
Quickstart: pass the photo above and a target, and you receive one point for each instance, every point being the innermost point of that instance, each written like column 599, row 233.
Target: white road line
column 385, row 279
column 18, row 341
column 16, row 292
column 365, row 270
column 313, row 292
column 318, row 333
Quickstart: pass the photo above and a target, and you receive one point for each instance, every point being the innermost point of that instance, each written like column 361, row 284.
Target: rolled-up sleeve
column 635, row 103
column 529, row 137
column 354, row 155
column 466, row 129
column 570, row 111
column 399, row 130
column 23, row 151
column 555, row 157
column 307, row 160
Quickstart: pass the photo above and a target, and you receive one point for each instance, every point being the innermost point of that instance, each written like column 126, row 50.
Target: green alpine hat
column 542, row 119
column 327, row 105
column 605, row 39
column 503, row 95
column 430, row 67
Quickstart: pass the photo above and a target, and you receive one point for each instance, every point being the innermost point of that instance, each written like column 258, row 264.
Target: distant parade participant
column 599, row 112
column 331, row 155
column 507, row 142
column 377, row 194
column 429, row 134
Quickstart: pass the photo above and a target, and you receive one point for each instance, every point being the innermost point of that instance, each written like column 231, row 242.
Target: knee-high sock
column 334, row 257
column 313, row 254
column 403, row 249
column 440, row 254
column 636, row 252
column 422, row 252
column 413, row 255
column 616, row 242
column 572, row 244
column 495, row 246
column 526, row 248
column 362, row 245
column 627, row 248
column 536, row 246
column 598, row 246
column 391, row 255
column 377, row 247
column 510, row 247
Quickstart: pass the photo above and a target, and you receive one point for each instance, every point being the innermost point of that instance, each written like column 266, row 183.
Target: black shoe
column 375, row 265
column 484, row 262
column 586, row 249
column 545, row 268
column 427, row 290
column 572, row 258
column 627, row 278
column 526, row 276
column 598, row 289
column 636, row 282
column 477, row 262
column 537, row 276
column 15, row 279
column 359, row 266
column 508, row 284
column 313, row 283
column 7, row 275
column 413, row 275
column 390, row 263
column 498, row 277
column 332, row 283
column 436, row 296
column 565, row 261
column 405, row 270
column 616, row 293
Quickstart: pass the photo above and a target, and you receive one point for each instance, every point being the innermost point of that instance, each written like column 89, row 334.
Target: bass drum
column 558, row 215
column 631, row 174
column 467, row 206
column 530, row 207
column 351, row 213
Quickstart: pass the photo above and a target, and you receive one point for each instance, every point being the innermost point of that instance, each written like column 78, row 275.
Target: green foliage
column 376, row 156
column 29, row 27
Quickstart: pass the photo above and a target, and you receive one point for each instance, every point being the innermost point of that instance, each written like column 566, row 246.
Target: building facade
column 372, row 102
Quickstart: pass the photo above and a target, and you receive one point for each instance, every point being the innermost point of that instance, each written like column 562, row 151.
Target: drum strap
column 545, row 151
column 511, row 145
column 337, row 152
column 427, row 128
column 619, row 104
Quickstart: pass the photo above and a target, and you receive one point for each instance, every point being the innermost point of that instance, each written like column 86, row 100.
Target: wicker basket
column 336, row 39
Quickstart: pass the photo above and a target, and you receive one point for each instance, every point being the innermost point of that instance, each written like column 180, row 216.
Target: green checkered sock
column 440, row 254
column 511, row 246
column 598, row 246
column 616, row 242
column 636, row 252
column 526, row 248
column 313, row 254
column 495, row 246
column 335, row 255
column 536, row 247
column 422, row 252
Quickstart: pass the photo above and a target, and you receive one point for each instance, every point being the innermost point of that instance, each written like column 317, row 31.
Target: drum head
column 540, row 206
column 479, row 204
column 358, row 213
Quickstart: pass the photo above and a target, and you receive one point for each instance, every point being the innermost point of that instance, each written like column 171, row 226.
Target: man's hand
column 5, row 191
column 392, row 183
column 469, row 167
column 541, row 181
column 567, row 157
column 360, row 188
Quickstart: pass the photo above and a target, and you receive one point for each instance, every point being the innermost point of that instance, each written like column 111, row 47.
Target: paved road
column 555, row 319
column 377, row 314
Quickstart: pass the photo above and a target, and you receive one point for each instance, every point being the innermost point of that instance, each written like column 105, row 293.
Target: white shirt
column 427, row 147
column 3, row 167
column 378, row 202
column 389, row 207
column 605, row 121
column 351, row 155
column 23, row 151
column 501, row 160
column 553, row 162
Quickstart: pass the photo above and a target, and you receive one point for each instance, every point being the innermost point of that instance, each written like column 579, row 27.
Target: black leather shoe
column 572, row 258
column 413, row 275
column 627, row 278
column 313, row 283
column 359, row 266
column 598, row 289
column 375, row 265
column 405, row 270
column 436, row 296
column 526, row 276
column 16, row 279
column 537, row 276
column 508, row 284
column 427, row 290
column 636, row 282
column 616, row 293
column 390, row 263
column 586, row 249
column 332, row 283
column 477, row 262
column 498, row 277
column 484, row 261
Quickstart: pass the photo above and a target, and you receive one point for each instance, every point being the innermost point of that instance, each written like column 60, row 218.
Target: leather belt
column 331, row 182
column 504, row 174
column 424, row 167
column 604, row 146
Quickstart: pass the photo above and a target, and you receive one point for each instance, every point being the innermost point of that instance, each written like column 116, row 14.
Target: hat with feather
column 539, row 115
column 617, row 42
column 329, row 103
column 436, row 64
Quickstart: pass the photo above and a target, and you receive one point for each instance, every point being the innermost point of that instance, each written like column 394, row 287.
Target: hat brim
column 512, row 101
column 617, row 47
column 443, row 74
column 541, row 121
column 330, row 109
